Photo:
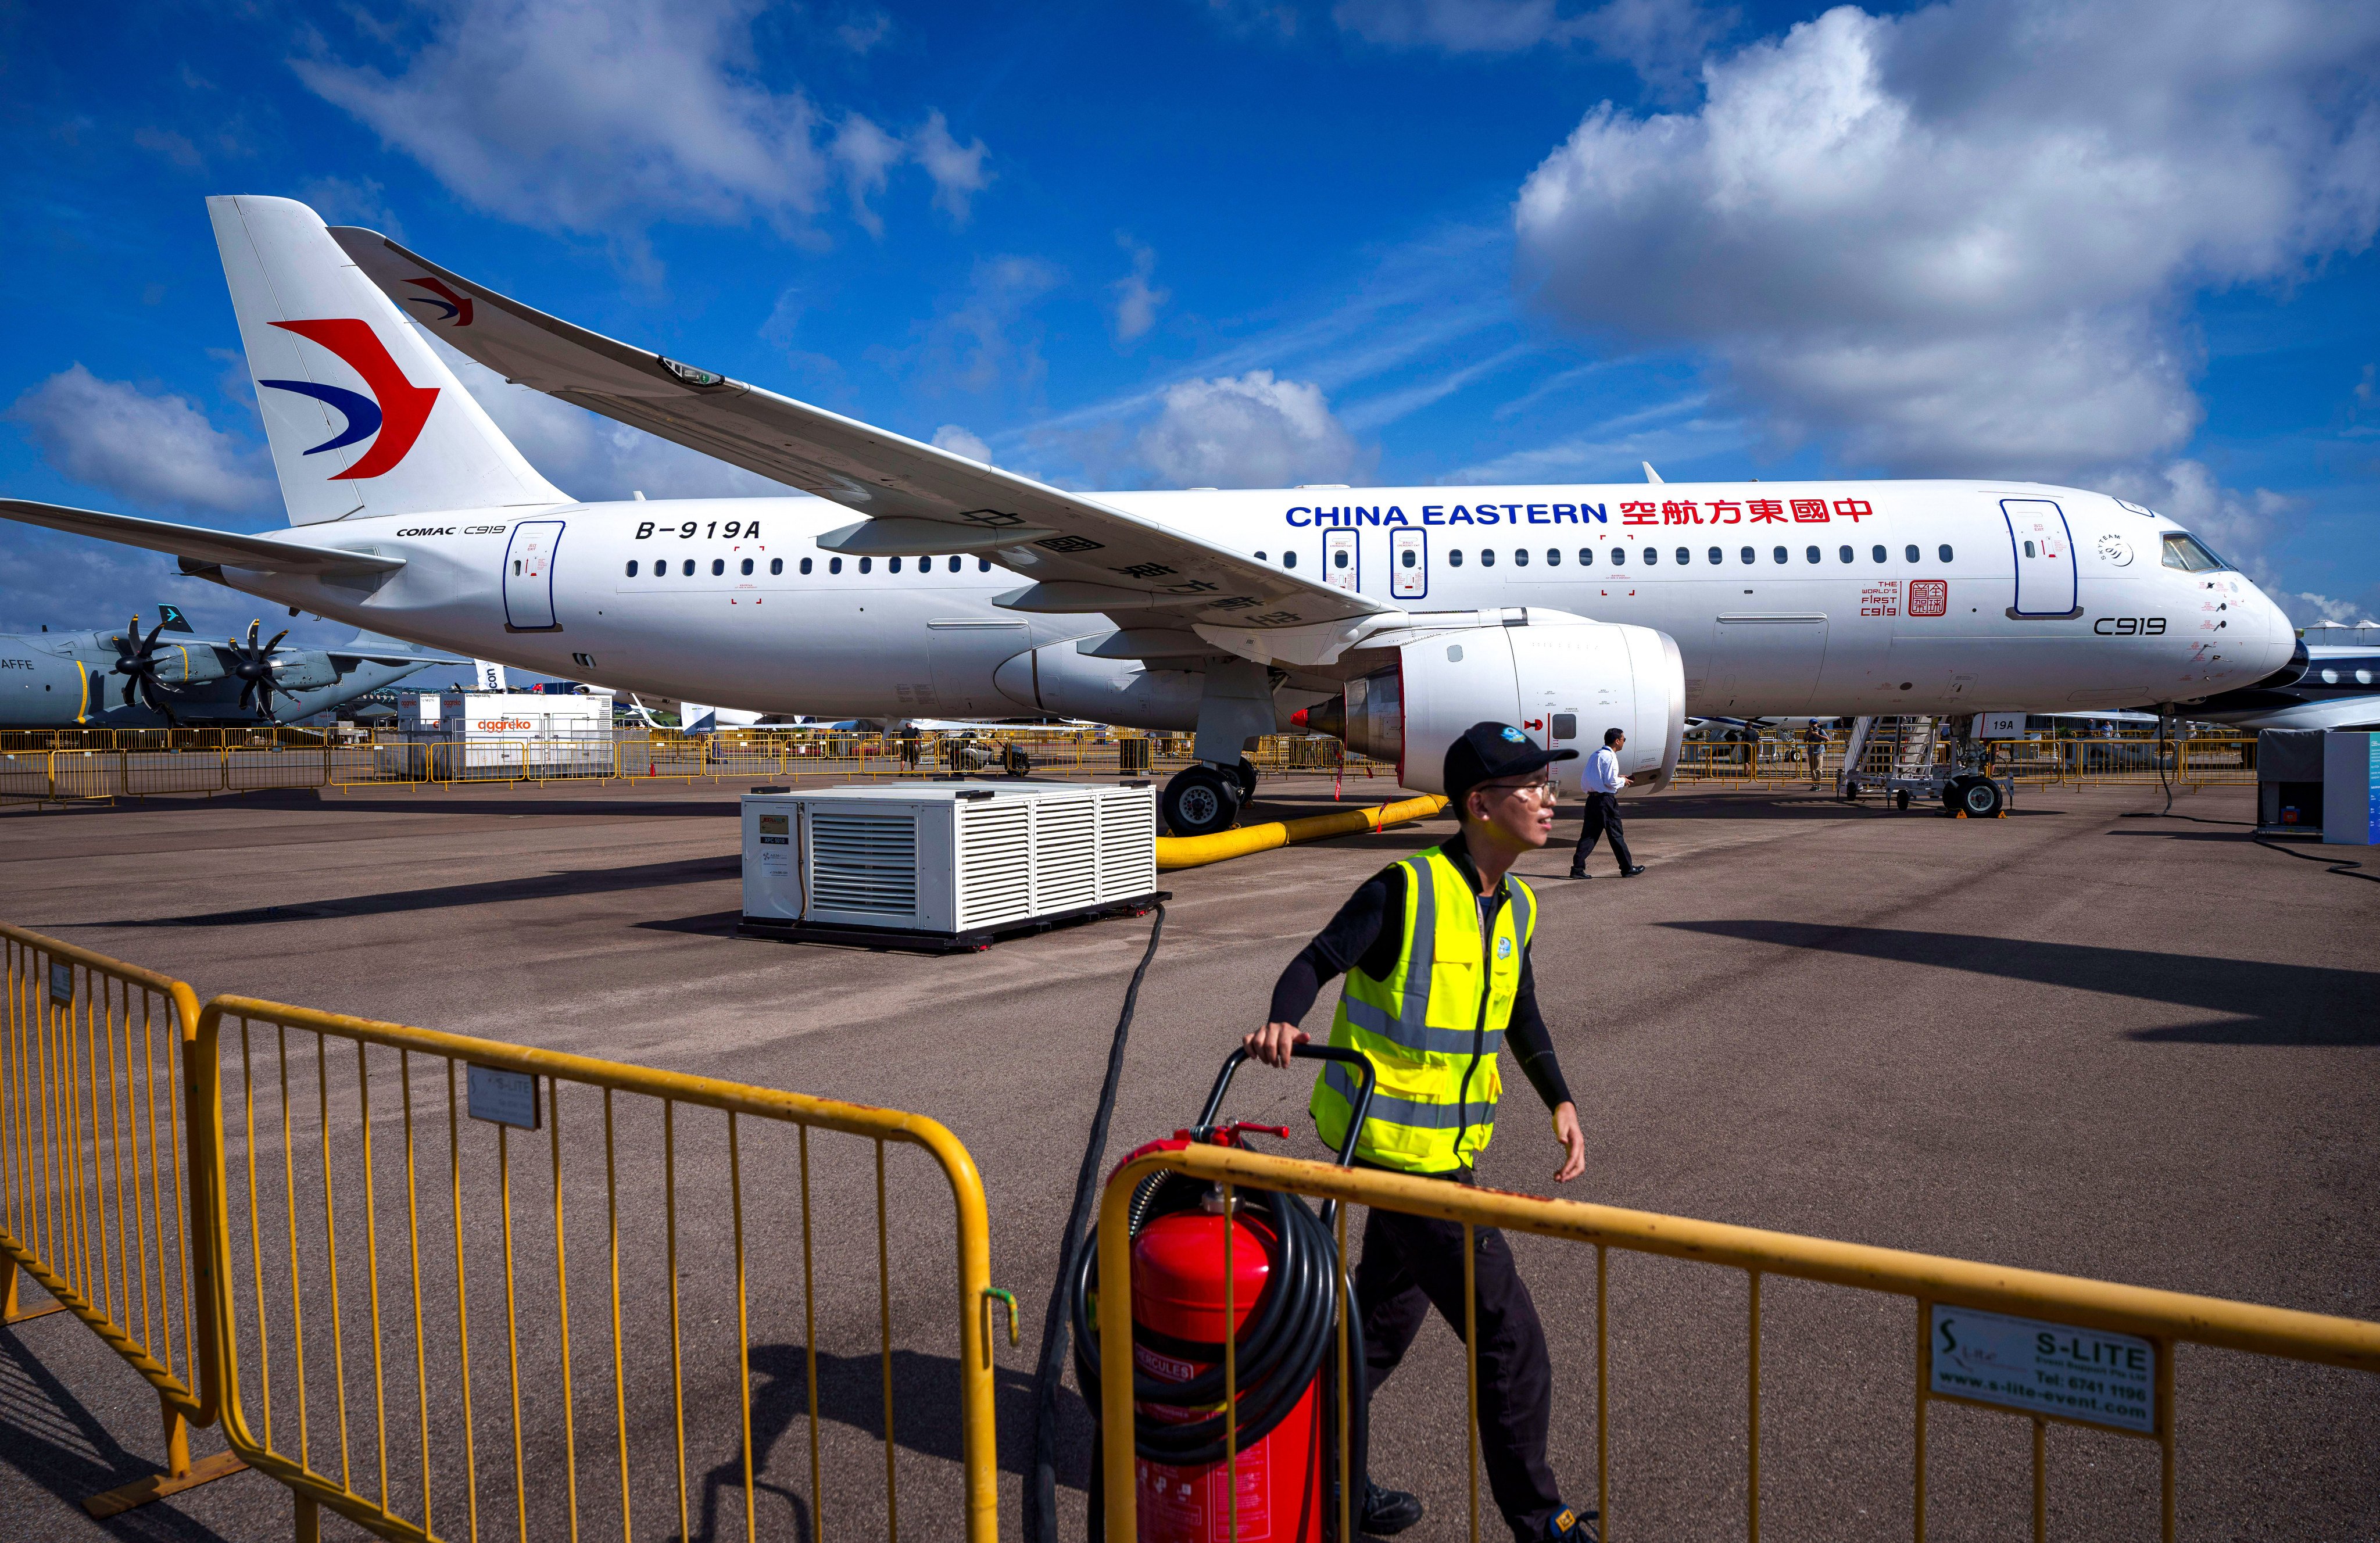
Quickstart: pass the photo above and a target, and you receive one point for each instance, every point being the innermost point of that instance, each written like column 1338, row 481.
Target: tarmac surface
column 2140, row 1049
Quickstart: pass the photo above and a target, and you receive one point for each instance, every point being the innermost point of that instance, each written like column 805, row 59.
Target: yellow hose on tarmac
column 1197, row 851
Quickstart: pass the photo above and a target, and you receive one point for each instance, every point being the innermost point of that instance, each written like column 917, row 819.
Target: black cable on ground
column 1041, row 1484
column 2335, row 865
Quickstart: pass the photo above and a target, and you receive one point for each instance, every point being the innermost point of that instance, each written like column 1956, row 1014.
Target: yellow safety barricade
column 94, row 1200
column 1973, row 1300
column 391, row 1314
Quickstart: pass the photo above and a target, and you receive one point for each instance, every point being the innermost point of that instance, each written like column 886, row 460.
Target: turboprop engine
column 1563, row 679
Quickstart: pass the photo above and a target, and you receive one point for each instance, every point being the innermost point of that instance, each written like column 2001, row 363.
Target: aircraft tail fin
column 364, row 417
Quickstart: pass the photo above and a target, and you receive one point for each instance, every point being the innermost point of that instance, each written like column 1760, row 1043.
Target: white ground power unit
column 945, row 864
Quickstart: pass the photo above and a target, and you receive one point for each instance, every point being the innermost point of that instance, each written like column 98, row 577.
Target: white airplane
column 908, row 580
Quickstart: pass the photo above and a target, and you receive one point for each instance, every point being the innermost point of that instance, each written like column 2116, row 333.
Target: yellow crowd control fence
column 470, row 1288
column 95, row 1197
column 2048, row 1349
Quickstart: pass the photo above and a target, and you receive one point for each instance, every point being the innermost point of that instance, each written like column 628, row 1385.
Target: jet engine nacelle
column 1562, row 679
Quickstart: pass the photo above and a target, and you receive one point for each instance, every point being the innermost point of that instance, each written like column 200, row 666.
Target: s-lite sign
column 2044, row 1369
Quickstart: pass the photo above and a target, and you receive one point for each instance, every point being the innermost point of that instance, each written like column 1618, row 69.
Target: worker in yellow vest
column 1436, row 953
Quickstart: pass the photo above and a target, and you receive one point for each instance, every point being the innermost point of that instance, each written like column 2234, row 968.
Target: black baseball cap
column 1487, row 751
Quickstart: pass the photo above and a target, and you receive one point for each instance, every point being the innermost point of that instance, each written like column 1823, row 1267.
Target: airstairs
column 1914, row 767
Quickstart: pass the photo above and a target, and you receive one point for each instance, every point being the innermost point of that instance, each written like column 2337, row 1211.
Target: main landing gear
column 1203, row 800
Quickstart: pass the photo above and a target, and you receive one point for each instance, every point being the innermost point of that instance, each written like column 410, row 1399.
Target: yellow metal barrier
column 2139, row 1404
column 1174, row 852
column 316, row 1204
column 93, row 1196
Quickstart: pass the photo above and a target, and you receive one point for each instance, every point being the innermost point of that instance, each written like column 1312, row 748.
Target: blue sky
column 2115, row 244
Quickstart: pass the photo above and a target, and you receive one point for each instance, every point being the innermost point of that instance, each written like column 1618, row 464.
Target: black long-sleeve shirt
column 1368, row 934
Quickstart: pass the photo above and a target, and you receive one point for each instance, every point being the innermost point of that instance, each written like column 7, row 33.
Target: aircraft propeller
column 254, row 667
column 137, row 663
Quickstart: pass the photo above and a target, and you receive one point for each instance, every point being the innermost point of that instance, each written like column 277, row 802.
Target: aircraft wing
column 197, row 544
column 1079, row 555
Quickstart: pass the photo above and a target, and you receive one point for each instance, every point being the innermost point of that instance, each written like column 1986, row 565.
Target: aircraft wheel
column 1851, row 791
column 1900, row 799
column 1017, row 763
column 1980, row 799
column 1247, row 772
column 1200, row 801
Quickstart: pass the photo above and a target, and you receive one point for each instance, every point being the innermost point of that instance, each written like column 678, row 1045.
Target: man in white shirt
column 1603, row 781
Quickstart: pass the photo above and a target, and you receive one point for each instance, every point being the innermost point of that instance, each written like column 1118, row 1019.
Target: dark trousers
column 1414, row 1263
column 1602, row 818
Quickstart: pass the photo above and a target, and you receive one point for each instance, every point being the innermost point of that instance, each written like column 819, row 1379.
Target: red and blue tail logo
column 396, row 417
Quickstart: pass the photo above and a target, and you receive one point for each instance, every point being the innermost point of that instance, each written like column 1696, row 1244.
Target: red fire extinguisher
column 1279, row 1487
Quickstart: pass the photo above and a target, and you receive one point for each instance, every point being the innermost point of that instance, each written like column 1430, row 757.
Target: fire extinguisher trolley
column 1287, row 1280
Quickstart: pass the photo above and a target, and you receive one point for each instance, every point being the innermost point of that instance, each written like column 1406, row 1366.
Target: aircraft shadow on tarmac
column 851, row 1393
column 50, row 1440
column 494, row 892
column 2268, row 1003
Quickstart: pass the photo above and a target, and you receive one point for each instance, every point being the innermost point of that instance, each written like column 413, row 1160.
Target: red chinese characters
column 1640, row 514
column 1767, row 511
column 1809, row 511
column 1929, row 597
column 1681, row 510
column 1727, row 512
column 1852, row 509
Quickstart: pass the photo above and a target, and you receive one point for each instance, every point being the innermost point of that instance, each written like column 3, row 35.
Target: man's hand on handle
column 1573, row 1142
column 1273, row 1043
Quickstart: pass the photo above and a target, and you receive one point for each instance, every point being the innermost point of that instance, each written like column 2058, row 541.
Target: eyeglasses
column 1543, row 787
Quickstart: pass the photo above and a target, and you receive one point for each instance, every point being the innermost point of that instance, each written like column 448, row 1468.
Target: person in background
column 1436, row 953
column 1602, row 783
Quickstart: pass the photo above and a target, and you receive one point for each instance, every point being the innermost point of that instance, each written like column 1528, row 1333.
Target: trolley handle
column 1305, row 1052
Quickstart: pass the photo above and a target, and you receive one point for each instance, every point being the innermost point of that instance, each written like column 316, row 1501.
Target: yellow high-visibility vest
column 1432, row 1026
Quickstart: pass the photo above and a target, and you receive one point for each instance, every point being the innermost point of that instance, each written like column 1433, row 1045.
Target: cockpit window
column 2190, row 555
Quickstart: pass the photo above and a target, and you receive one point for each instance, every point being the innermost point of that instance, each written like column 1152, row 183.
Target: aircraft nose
column 2280, row 641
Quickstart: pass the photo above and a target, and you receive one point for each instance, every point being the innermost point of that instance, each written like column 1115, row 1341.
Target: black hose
column 1041, row 1485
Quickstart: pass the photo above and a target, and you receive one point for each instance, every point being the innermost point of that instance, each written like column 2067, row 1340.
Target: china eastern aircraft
column 903, row 580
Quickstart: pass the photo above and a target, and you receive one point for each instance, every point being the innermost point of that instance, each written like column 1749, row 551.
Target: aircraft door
column 2046, row 584
column 1341, row 565
column 528, row 576
column 1408, row 563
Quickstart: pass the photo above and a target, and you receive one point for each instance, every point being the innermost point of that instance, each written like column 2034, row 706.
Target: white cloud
column 1251, row 432
column 1662, row 39
column 986, row 340
column 351, row 201
column 593, row 457
column 962, row 442
column 1960, row 240
column 956, row 169
column 583, row 114
column 174, row 147
column 149, row 449
column 1136, row 300
column 862, row 34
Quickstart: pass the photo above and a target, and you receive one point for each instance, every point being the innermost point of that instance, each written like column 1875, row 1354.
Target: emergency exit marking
column 61, row 981
column 507, row 1098
column 2046, row 1368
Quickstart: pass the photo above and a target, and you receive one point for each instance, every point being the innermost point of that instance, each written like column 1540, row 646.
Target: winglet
column 1650, row 475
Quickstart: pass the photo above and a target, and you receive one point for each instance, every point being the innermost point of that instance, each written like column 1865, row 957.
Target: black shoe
column 1571, row 1527
column 1389, row 1511
column 1632, row 872
column 1580, row 873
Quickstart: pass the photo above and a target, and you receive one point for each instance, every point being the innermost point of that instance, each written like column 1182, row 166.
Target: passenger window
column 1847, row 554
column 1289, row 559
column 1652, row 554
column 1587, row 557
column 1455, row 558
column 718, row 566
column 865, row 563
column 1945, row 551
column 1521, row 557
column 892, row 566
column 954, row 564
column 1487, row 556
column 983, row 564
column 1338, row 558
column 689, row 567
column 748, row 565
column 1877, row 554
column 1718, row 555
column 1619, row 557
column 1747, row 555
column 2028, row 549
column 632, row 567
column 1553, row 557
column 1812, row 554
column 1262, row 558
column 834, row 564
column 1685, row 555
column 1780, row 554
column 1411, row 558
